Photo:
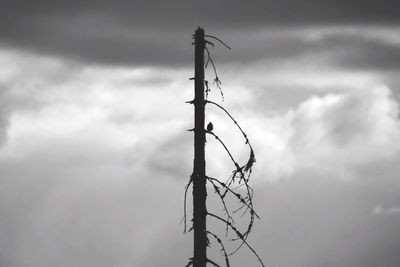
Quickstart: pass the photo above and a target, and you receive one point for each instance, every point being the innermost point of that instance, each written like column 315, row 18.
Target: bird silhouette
column 210, row 127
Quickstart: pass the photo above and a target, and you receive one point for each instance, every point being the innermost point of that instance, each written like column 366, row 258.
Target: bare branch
column 239, row 234
column 238, row 196
column 219, row 40
column 234, row 121
column 184, row 201
column 207, row 88
column 213, row 263
column 217, row 81
column 226, row 210
column 225, row 147
column 222, row 248
column 189, row 263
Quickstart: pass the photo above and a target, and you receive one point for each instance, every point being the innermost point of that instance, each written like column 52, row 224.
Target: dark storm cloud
column 226, row 13
column 158, row 32
column 361, row 52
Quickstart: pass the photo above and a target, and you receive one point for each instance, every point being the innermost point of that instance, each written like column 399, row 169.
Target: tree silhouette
column 235, row 187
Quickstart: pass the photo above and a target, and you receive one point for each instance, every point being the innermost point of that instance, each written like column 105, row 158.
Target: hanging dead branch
column 216, row 81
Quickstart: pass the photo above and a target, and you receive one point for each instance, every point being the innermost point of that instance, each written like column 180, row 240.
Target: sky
column 94, row 152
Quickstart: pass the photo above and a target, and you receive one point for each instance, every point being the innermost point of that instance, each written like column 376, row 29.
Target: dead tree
column 236, row 186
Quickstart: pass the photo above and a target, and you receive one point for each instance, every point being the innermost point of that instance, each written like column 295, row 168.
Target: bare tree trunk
column 199, row 175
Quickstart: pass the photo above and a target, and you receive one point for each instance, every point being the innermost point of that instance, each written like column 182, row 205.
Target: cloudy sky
column 94, row 153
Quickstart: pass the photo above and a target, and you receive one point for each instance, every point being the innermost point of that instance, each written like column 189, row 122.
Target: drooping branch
column 234, row 121
column 222, row 247
column 219, row 40
column 225, row 147
column 221, row 197
column 247, row 167
column 217, row 81
column 240, row 170
column 239, row 234
column 237, row 195
column 245, row 201
column 213, row 263
column 184, row 202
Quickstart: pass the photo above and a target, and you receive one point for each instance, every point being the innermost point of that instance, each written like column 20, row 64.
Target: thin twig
column 233, row 119
column 184, row 201
column 222, row 248
column 217, row 81
column 242, row 200
column 225, row 147
column 189, row 263
column 213, row 263
column 240, row 235
column 219, row 40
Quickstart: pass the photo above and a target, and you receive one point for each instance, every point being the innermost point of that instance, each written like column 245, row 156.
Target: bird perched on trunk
column 210, row 127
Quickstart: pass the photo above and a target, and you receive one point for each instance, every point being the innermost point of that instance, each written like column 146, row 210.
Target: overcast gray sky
column 94, row 153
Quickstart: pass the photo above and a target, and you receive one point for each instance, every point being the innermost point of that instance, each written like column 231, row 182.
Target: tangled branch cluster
column 236, row 186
